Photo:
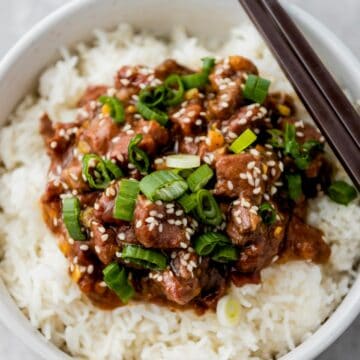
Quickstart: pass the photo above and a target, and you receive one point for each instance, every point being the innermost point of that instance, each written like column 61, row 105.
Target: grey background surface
column 342, row 17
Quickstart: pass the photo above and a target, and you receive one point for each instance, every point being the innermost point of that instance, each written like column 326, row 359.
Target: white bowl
column 75, row 22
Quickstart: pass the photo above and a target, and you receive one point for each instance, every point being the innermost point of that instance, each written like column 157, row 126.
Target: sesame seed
column 159, row 161
column 230, row 185
column 96, row 206
column 84, row 247
column 179, row 212
column 271, row 163
column 90, row 269
column 257, row 190
column 183, row 245
column 104, row 237
column 251, row 165
column 121, row 236
column 158, row 202
column 243, row 176
column 101, row 229
column 53, row 144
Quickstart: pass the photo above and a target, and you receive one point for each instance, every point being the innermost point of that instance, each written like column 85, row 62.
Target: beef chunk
column 160, row 225
column 226, row 80
column 168, row 67
column 181, row 282
column 154, row 137
column 92, row 93
column 264, row 246
column 306, row 242
column 239, row 174
column 57, row 136
column 99, row 133
column 250, row 116
column 190, row 118
column 242, row 222
column 104, row 242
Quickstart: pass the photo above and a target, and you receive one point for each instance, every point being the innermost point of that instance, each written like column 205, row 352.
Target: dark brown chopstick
column 325, row 82
column 308, row 90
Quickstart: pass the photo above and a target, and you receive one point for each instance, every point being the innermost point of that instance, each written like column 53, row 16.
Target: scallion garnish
column 116, row 172
column 174, row 94
column 341, row 192
column 163, row 185
column 200, row 177
column 116, row 108
column 225, row 254
column 256, row 88
column 243, row 141
column 152, row 114
column 205, row 244
column 267, row 213
column 200, row 79
column 146, row 258
column 137, row 156
column 125, row 200
column 117, row 279
column 182, row 161
column 98, row 172
column 71, row 217
column 207, row 208
column 188, row 202
column 149, row 100
column 294, row 186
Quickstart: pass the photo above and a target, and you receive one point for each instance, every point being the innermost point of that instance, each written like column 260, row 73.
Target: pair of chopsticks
column 325, row 101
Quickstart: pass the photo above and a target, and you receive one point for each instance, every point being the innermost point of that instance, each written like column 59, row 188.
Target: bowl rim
column 338, row 321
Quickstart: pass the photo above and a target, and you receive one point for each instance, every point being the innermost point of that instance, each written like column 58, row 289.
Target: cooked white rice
column 292, row 301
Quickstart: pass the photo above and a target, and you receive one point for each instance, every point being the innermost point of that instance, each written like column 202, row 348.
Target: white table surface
column 342, row 17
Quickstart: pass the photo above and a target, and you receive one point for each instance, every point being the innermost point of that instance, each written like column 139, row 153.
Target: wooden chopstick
column 308, row 90
column 315, row 67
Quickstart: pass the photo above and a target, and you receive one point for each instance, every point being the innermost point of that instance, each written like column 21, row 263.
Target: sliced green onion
column 137, row 156
column 243, row 141
column 188, row 202
column 148, row 100
column 341, row 192
column 206, row 243
column 183, row 161
column 146, row 258
column 174, row 96
column 184, row 173
column 200, row 177
column 115, row 171
column 225, row 254
column 116, row 107
column 71, row 216
column 267, row 213
column 98, row 172
column 256, row 88
column 125, row 200
column 163, row 185
column 153, row 97
column 291, row 145
column 276, row 139
column 294, row 186
column 95, row 171
column 199, row 80
column 152, row 114
column 228, row 311
column 207, row 208
column 116, row 278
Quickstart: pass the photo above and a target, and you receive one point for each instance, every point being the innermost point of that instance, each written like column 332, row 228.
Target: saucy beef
column 260, row 216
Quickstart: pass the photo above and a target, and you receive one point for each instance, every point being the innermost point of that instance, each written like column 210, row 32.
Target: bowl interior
column 76, row 22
